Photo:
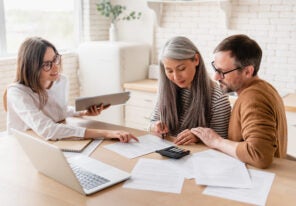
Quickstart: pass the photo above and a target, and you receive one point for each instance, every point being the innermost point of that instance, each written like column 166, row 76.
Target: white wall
column 96, row 27
column 272, row 23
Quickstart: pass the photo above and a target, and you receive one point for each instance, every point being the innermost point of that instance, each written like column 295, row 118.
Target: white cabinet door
column 139, row 108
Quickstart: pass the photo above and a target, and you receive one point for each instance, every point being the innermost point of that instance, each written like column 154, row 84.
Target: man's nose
column 217, row 76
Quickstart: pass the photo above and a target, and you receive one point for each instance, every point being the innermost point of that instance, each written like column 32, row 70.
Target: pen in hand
column 163, row 135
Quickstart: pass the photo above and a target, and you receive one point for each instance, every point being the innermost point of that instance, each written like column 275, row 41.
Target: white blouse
column 23, row 111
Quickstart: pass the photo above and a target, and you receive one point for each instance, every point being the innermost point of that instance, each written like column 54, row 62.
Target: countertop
column 145, row 85
column 150, row 85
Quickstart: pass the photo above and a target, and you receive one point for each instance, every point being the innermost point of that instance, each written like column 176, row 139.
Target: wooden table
column 21, row 184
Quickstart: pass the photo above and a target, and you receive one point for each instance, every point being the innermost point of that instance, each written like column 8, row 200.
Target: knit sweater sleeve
column 258, row 129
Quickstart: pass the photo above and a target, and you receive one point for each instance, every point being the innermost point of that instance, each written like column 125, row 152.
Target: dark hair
column 29, row 62
column 199, row 111
column 245, row 50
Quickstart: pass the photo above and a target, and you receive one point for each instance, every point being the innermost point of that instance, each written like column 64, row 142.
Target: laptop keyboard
column 87, row 179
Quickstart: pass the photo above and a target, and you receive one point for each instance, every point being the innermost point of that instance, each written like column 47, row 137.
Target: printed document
column 218, row 169
column 147, row 144
column 184, row 165
column 155, row 175
column 257, row 194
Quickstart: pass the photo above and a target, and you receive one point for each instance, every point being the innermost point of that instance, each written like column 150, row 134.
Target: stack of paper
column 225, row 177
column 229, row 178
column 222, row 171
column 257, row 194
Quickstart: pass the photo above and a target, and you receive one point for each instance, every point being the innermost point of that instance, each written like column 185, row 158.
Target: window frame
column 78, row 27
column 3, row 48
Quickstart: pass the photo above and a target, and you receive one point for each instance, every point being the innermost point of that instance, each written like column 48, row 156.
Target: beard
column 225, row 88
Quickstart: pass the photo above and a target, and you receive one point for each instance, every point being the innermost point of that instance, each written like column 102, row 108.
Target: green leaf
column 107, row 9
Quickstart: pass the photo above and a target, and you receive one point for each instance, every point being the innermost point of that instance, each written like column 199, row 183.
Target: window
column 54, row 20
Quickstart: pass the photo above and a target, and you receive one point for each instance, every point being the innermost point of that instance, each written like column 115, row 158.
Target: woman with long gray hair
column 187, row 97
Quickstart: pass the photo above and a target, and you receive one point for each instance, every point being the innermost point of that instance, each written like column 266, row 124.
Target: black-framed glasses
column 47, row 66
column 222, row 74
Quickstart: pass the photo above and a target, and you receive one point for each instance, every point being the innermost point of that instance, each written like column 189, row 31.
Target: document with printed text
column 257, row 194
column 221, row 171
column 147, row 144
column 183, row 165
column 155, row 175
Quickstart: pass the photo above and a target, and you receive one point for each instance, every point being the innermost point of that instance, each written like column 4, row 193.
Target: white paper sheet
column 155, row 175
column 261, row 184
column 183, row 165
column 147, row 144
column 217, row 169
column 212, row 153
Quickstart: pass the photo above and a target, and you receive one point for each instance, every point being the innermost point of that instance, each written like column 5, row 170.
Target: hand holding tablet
column 85, row 103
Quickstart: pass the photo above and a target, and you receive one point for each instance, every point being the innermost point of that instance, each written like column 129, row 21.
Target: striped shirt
column 220, row 111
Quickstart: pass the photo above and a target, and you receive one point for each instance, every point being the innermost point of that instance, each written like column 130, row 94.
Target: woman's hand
column 94, row 110
column 122, row 136
column 159, row 128
column 186, row 137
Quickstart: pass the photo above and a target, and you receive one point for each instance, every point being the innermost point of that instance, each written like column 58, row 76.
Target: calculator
column 173, row 152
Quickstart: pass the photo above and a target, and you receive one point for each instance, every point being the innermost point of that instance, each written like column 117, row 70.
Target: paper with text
column 220, row 170
column 147, row 144
column 261, row 184
column 155, row 175
column 183, row 165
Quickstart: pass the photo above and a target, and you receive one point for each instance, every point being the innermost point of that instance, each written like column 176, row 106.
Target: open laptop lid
column 48, row 159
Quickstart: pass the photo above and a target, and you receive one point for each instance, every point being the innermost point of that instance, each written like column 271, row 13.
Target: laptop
column 81, row 173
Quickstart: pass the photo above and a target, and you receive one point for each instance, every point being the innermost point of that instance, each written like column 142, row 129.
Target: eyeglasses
column 47, row 66
column 222, row 74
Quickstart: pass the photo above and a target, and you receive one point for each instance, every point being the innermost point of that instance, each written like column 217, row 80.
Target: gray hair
column 199, row 111
column 178, row 48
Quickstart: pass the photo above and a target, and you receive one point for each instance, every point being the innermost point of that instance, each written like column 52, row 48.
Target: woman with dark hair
column 38, row 98
column 187, row 97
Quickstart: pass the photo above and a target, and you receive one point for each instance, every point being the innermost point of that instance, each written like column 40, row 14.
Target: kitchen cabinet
column 139, row 107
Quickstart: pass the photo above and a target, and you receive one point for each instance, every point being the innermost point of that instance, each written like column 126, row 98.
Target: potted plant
column 115, row 13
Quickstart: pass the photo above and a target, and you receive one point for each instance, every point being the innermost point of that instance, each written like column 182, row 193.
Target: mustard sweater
column 258, row 122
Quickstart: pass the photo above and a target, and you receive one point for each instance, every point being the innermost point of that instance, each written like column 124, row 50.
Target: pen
column 162, row 126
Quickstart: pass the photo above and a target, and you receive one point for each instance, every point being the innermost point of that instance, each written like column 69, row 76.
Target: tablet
column 83, row 103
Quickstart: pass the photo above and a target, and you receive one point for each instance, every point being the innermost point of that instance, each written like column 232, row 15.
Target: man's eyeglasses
column 222, row 74
column 46, row 66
